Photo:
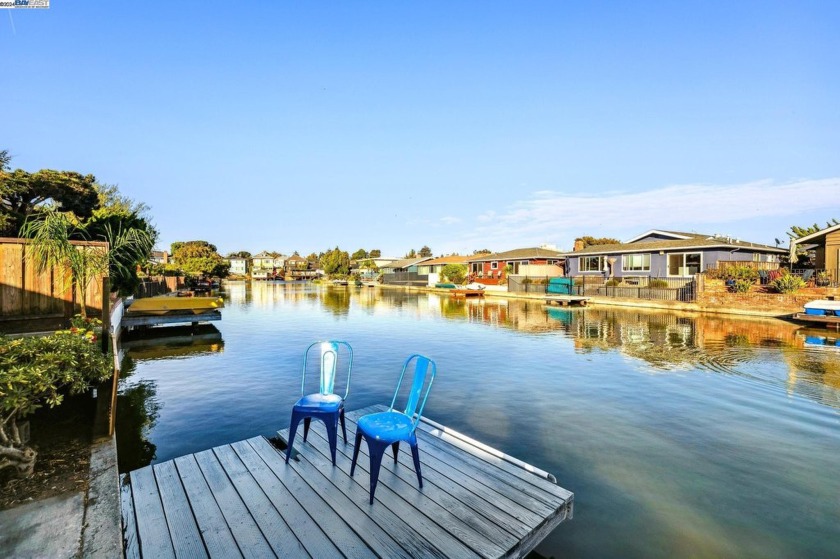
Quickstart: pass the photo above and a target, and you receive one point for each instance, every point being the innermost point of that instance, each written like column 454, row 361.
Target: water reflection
column 681, row 434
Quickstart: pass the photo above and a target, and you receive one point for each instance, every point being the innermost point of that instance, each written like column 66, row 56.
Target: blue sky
column 460, row 126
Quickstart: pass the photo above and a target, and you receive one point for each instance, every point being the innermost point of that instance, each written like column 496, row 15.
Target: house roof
column 295, row 258
column 518, row 254
column 453, row 259
column 676, row 235
column 407, row 262
column 696, row 241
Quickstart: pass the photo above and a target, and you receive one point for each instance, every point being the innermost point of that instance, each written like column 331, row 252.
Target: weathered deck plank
column 242, row 499
column 186, row 538
column 326, row 514
column 152, row 531
column 217, row 537
column 245, row 531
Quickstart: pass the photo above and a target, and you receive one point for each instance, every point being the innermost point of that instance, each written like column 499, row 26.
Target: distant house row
column 655, row 253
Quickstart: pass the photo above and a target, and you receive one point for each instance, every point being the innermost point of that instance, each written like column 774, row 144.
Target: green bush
column 742, row 285
column 658, row 284
column 788, row 284
column 744, row 273
column 456, row 273
column 40, row 370
column 612, row 282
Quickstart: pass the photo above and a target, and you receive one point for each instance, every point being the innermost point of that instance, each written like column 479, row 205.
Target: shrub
column 456, row 273
column 612, row 282
column 788, row 284
column 658, row 284
column 741, row 285
column 40, row 370
column 744, row 273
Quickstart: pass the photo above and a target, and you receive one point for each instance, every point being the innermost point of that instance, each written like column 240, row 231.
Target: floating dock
column 566, row 300
column 242, row 499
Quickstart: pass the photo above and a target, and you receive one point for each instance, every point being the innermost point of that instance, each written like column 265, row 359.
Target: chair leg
column 306, row 422
column 343, row 426
column 396, row 448
column 415, row 453
column 292, row 430
column 376, row 450
column 355, row 452
column 331, row 435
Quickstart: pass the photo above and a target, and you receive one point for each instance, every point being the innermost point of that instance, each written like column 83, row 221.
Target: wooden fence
column 158, row 285
column 27, row 293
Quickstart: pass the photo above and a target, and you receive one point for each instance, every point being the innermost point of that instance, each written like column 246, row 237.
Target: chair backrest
column 329, row 360
column 423, row 369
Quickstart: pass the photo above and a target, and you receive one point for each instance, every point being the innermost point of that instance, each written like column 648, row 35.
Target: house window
column 756, row 257
column 494, row 265
column 591, row 263
column 635, row 263
column 684, row 265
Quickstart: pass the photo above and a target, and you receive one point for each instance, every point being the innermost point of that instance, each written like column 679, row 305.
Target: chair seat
column 319, row 402
column 388, row 426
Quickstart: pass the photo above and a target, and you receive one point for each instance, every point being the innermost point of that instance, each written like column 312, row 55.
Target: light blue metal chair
column 324, row 405
column 389, row 428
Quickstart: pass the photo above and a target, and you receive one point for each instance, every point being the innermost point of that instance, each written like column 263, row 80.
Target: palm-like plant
column 52, row 233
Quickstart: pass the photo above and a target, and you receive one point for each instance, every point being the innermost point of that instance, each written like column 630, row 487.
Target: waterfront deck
column 242, row 499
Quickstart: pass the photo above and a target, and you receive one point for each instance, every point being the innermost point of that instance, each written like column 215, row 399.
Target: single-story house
column 667, row 254
column 404, row 265
column 493, row 265
column 434, row 267
column 826, row 247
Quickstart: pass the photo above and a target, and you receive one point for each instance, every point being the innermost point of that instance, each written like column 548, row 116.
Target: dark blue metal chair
column 324, row 405
column 389, row 428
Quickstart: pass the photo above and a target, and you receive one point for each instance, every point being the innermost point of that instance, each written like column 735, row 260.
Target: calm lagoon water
column 680, row 435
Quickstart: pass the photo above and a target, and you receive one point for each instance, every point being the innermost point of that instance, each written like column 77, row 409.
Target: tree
column 335, row 262
column 38, row 370
column 199, row 258
column 313, row 258
column 52, row 233
column 589, row 240
column 375, row 253
column 425, row 252
column 797, row 232
column 482, row 251
column 117, row 213
column 456, row 273
column 359, row 254
column 22, row 194
column 240, row 254
column 411, row 254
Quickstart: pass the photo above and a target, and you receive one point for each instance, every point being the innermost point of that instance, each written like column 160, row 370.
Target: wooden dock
column 242, row 499
column 566, row 300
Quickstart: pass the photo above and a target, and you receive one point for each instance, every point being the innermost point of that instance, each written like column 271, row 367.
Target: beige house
column 826, row 247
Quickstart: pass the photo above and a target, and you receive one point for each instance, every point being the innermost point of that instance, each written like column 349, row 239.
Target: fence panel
column 656, row 289
column 26, row 292
column 406, row 278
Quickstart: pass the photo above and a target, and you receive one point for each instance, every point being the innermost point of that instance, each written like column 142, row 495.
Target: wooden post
column 106, row 312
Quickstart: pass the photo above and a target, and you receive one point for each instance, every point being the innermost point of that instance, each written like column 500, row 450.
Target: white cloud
column 551, row 216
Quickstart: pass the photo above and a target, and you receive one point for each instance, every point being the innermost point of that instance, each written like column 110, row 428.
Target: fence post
column 106, row 312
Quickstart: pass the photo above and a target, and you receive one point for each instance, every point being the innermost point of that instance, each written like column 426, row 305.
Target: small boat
column 167, row 304
column 469, row 290
column 339, row 282
column 826, row 312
